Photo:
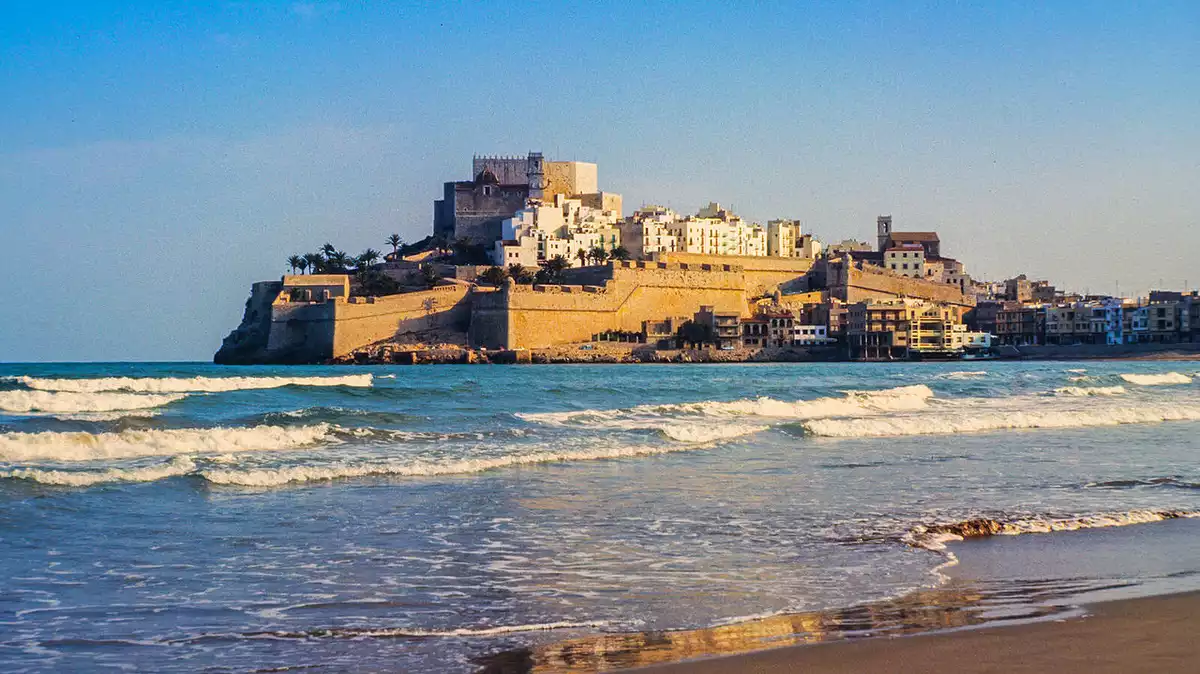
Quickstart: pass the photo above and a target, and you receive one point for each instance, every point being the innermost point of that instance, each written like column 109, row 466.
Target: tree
column 696, row 334
column 373, row 282
column 316, row 262
column 520, row 274
column 582, row 255
column 395, row 242
column 429, row 275
column 620, row 253
column 337, row 262
column 555, row 267
column 302, row 263
column 494, row 276
column 328, row 249
column 598, row 254
column 368, row 257
column 294, row 262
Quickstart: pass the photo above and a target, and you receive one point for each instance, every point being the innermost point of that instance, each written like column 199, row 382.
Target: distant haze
column 156, row 161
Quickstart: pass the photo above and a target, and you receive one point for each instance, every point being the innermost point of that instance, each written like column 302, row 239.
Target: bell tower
column 884, row 226
column 537, row 177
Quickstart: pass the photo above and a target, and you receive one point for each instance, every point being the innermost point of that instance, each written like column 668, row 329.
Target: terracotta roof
column 914, row 236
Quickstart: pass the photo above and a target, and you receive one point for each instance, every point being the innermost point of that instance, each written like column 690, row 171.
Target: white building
column 540, row 232
column 905, row 260
column 810, row 335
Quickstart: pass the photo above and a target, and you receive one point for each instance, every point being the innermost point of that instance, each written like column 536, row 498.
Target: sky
column 157, row 158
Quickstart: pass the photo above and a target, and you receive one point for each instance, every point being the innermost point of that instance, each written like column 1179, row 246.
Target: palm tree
column 294, row 262
column 395, row 242
column 520, row 274
column 555, row 267
column 316, row 262
column 337, row 261
column 598, row 254
column 620, row 253
column 582, row 255
column 302, row 263
column 328, row 249
column 494, row 276
column 368, row 257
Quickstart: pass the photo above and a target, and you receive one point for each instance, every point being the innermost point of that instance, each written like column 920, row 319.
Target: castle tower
column 884, row 224
column 537, row 177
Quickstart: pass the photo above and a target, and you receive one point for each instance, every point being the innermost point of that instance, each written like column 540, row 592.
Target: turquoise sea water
column 177, row 517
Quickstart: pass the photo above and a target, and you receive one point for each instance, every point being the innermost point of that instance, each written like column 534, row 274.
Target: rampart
column 857, row 284
column 763, row 274
column 537, row 316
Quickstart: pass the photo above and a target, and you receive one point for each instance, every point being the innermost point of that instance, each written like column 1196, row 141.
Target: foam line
column 187, row 384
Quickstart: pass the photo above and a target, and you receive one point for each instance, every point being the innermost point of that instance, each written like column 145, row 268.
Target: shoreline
column 1085, row 618
column 1146, row 634
column 575, row 355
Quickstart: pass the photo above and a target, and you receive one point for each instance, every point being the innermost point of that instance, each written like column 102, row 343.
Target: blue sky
column 157, row 158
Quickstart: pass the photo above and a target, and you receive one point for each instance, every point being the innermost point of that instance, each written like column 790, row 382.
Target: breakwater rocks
column 581, row 354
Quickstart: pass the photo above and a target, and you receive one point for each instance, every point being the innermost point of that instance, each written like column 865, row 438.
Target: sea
column 568, row 518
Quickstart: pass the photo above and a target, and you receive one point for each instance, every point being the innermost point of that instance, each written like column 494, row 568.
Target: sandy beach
column 1155, row 634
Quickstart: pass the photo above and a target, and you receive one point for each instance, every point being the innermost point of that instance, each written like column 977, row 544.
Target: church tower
column 884, row 224
column 537, row 177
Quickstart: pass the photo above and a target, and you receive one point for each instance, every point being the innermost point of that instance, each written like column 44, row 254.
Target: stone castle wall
column 763, row 274
column 538, row 316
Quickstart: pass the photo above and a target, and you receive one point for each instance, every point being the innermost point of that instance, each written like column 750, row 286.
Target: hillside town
column 530, row 254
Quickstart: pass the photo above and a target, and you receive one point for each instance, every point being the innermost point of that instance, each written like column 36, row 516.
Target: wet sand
column 1155, row 634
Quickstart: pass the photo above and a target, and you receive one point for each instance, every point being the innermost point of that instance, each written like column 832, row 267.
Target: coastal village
column 530, row 261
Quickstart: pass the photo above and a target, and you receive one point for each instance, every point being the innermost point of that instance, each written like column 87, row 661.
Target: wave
column 274, row 477
column 1157, row 379
column 133, row 443
column 176, row 467
column 65, row 402
column 186, row 384
column 690, row 433
column 1152, row 482
column 974, row 374
column 935, row 536
column 903, row 398
column 974, row 421
column 1079, row 391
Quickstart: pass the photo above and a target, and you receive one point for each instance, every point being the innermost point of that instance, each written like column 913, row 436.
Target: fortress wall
column 301, row 331
column 489, row 318
column 864, row 284
column 378, row 318
column 763, row 274
column 542, row 316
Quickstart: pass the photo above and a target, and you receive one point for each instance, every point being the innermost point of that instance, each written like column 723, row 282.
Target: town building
column 906, row 260
column 475, row 209
column 904, row 328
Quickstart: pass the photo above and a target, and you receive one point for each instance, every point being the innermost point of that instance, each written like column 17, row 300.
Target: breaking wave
column 963, row 375
column 1157, row 379
column 274, row 477
column 1078, row 391
column 66, row 402
column 982, row 420
column 178, row 466
column 690, row 433
column 186, row 384
column 127, row 444
column 935, row 536
column 904, row 398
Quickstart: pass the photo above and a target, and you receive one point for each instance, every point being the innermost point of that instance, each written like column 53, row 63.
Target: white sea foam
column 65, row 401
column 975, row 374
column 1157, row 379
column 59, row 446
column 709, row 433
column 853, row 403
column 1090, row 390
column 272, row 477
column 186, row 384
column 180, row 465
column 475, row 631
column 978, row 420
column 935, row 537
